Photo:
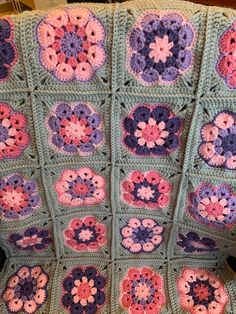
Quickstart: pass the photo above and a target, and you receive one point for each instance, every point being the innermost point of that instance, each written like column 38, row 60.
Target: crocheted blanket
column 118, row 159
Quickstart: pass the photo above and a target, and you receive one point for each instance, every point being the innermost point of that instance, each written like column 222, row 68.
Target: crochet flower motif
column 85, row 234
column 142, row 291
column 32, row 239
column 192, row 243
column 18, row 198
column 214, row 206
column 26, row 290
column 14, row 138
column 84, row 291
column 226, row 65
column 75, row 129
column 159, row 47
column 218, row 146
column 152, row 131
column 141, row 235
column 201, row 292
column 71, row 44
column 8, row 55
column 80, row 187
column 146, row 189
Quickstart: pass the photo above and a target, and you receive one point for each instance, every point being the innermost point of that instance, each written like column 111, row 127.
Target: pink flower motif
column 146, row 189
column 85, row 234
column 214, row 206
column 201, row 292
column 19, row 198
column 226, row 65
column 218, row 146
column 142, row 291
column 141, row 235
column 14, row 138
column 152, row 130
column 80, row 187
column 26, row 290
column 71, row 44
column 75, row 129
column 161, row 49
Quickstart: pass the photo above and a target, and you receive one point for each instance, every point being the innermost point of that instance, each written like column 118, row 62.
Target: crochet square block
column 128, row 276
column 12, row 69
column 218, row 61
column 18, row 137
column 142, row 236
column 73, row 191
column 86, row 234
column 134, row 145
column 140, row 194
column 56, row 114
column 45, row 70
column 97, row 272
column 137, row 68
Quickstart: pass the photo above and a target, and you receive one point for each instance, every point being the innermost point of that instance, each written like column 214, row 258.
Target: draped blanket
column 118, row 159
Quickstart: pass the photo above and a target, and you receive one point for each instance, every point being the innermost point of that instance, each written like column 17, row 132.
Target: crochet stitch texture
column 118, row 159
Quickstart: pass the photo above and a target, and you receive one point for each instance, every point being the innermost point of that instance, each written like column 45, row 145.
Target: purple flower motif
column 152, row 130
column 32, row 239
column 84, row 291
column 18, row 198
column 141, row 235
column 218, row 146
column 192, row 243
column 8, row 53
column 159, row 47
column 214, row 206
column 75, row 129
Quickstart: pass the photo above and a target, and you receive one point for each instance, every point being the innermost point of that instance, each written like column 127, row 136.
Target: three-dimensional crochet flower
column 80, row 187
column 26, row 290
column 71, row 44
column 14, row 138
column 32, row 239
column 226, row 65
column 75, row 129
column 159, row 47
column 218, row 146
column 141, row 235
column 85, row 234
column 193, row 243
column 214, row 206
column 84, row 291
column 19, row 198
column 152, row 130
column 142, row 291
column 146, row 189
column 8, row 54
column 201, row 292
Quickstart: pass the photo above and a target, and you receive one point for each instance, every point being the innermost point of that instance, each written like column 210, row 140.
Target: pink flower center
column 142, row 291
column 202, row 292
column 85, row 235
column 151, row 133
column 28, row 241
column 75, row 130
column 160, row 49
column 14, row 199
column 84, row 290
column 80, row 189
column 145, row 193
column 214, row 209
